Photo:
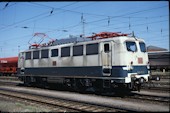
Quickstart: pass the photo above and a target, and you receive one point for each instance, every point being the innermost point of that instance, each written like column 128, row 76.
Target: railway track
column 159, row 85
column 164, row 89
column 70, row 105
column 9, row 78
column 10, row 82
column 154, row 86
column 28, row 101
column 162, row 99
column 61, row 104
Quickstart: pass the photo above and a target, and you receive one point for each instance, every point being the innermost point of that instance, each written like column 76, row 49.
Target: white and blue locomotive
column 106, row 60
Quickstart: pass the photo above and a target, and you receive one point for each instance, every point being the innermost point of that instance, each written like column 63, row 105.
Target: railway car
column 159, row 61
column 103, row 61
column 8, row 66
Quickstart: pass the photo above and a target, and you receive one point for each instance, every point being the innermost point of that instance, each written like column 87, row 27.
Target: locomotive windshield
column 131, row 46
column 142, row 46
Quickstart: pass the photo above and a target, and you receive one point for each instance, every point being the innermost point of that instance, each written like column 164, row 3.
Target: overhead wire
column 112, row 16
column 45, row 13
column 100, row 14
column 7, row 5
column 81, row 12
column 132, row 25
column 123, row 15
column 113, row 28
column 134, row 12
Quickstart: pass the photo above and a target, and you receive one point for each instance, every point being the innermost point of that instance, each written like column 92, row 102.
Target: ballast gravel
column 117, row 103
column 13, row 106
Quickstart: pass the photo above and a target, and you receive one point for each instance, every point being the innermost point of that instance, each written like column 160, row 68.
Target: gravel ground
column 8, row 105
column 139, row 106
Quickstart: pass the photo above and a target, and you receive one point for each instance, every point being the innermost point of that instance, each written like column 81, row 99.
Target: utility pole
column 83, row 25
column 18, row 49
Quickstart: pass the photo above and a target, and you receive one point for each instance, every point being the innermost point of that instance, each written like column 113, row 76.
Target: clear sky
column 20, row 20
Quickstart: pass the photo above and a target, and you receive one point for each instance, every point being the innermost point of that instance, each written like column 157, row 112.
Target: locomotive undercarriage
column 85, row 84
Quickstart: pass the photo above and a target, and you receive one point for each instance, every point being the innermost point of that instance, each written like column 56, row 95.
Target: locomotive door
column 106, row 57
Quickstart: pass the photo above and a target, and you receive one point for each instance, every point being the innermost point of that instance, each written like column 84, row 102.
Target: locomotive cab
column 137, row 63
column 125, row 60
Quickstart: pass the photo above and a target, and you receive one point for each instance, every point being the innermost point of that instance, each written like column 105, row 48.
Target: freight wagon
column 8, row 66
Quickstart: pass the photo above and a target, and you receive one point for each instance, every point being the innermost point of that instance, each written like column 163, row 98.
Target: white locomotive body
column 102, row 63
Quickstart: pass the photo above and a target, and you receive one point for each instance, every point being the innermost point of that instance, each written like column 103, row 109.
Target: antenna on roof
column 133, row 34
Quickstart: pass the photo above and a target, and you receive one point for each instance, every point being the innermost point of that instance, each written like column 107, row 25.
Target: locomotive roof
column 82, row 40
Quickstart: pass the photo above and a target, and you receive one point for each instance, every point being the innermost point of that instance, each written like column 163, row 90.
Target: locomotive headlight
column 148, row 65
column 131, row 65
column 142, row 80
column 133, row 76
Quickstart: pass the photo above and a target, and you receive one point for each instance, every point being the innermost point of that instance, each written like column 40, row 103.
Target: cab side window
column 78, row 50
column 35, row 54
column 92, row 49
column 131, row 46
column 142, row 46
column 54, row 52
column 44, row 53
column 106, row 48
column 28, row 55
column 65, row 52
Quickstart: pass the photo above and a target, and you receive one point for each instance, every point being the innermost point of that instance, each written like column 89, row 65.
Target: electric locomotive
column 107, row 60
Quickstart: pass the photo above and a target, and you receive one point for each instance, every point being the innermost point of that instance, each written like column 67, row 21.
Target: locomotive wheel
column 27, row 81
column 98, row 91
column 78, row 86
column 42, row 82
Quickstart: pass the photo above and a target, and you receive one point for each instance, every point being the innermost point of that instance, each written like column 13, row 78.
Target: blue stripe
column 117, row 71
column 92, row 71
column 89, row 71
column 140, row 70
